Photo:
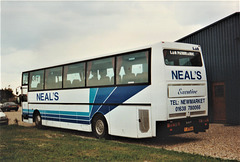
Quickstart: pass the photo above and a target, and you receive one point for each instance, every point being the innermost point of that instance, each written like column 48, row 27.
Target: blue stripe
column 65, row 112
column 109, row 95
column 49, row 115
column 102, row 94
column 112, row 95
column 63, row 116
column 93, row 93
column 65, row 120
column 68, row 120
column 44, row 116
column 59, row 112
column 121, row 94
column 26, row 110
column 75, row 121
column 83, row 113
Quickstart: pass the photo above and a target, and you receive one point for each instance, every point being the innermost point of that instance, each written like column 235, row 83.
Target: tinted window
column 53, row 78
column 36, row 80
column 74, row 75
column 132, row 68
column 100, row 72
column 182, row 58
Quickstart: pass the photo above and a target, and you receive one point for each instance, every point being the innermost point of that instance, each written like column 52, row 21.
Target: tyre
column 38, row 120
column 100, row 127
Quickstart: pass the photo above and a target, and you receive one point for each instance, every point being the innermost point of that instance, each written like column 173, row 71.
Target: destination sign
column 185, row 53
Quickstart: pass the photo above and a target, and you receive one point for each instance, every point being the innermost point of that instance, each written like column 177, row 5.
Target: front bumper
column 4, row 121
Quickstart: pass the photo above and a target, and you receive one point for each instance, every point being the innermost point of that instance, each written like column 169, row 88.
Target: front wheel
column 100, row 127
column 38, row 120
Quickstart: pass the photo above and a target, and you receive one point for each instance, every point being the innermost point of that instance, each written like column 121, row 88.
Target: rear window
column 182, row 58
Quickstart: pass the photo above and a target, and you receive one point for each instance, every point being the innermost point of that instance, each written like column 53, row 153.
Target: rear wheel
column 100, row 127
column 38, row 120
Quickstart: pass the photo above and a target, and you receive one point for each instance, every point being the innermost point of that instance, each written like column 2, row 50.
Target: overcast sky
column 36, row 34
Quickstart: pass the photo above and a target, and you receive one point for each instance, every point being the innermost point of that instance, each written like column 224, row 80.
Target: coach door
column 24, row 96
column 219, row 104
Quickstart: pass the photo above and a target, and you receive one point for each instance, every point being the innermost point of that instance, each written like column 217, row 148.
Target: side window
column 53, row 78
column 132, row 68
column 36, row 80
column 100, row 72
column 74, row 75
column 25, row 79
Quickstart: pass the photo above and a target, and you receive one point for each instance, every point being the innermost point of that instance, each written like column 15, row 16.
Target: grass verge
column 19, row 143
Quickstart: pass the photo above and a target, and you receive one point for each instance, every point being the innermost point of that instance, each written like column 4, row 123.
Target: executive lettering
column 192, row 91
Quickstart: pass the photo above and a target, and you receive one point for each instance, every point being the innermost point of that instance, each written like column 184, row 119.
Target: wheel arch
column 35, row 112
column 97, row 116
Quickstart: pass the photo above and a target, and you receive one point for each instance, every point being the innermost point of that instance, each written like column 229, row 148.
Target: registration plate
column 188, row 129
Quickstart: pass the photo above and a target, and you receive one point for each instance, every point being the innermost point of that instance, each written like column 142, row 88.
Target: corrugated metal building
column 220, row 44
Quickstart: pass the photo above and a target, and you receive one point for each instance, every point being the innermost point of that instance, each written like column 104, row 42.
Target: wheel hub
column 99, row 127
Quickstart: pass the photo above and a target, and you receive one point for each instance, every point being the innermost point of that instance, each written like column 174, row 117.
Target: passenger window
column 36, row 80
column 132, row 68
column 100, row 72
column 74, row 75
column 53, row 78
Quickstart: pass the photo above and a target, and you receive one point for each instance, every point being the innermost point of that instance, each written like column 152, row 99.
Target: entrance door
column 219, row 104
column 25, row 110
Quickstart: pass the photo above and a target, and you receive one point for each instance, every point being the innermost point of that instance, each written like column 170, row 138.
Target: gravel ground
column 219, row 141
column 16, row 117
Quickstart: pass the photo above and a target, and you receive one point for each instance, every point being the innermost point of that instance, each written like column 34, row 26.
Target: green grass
column 19, row 143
